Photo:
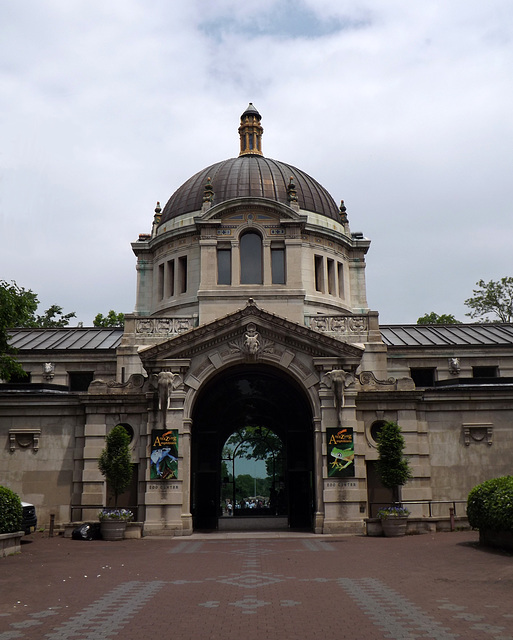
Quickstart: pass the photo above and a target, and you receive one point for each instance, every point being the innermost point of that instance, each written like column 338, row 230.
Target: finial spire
column 250, row 132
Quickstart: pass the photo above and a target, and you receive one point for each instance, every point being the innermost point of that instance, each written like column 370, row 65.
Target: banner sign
column 340, row 447
column 164, row 454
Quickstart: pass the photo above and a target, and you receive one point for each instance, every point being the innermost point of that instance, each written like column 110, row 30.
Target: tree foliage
column 17, row 307
column 494, row 298
column 115, row 461
column 434, row 318
column 393, row 468
column 112, row 319
column 257, row 443
column 52, row 317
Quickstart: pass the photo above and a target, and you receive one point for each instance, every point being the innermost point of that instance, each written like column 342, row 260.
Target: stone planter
column 10, row 543
column 134, row 530
column 113, row 529
column 394, row 527
column 496, row 539
column 373, row 527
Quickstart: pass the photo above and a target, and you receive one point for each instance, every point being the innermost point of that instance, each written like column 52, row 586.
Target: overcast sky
column 403, row 109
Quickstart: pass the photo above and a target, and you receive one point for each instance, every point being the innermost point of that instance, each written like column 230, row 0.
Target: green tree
column 493, row 298
column 115, row 461
column 244, row 486
column 393, row 468
column 434, row 318
column 112, row 319
column 17, row 307
column 52, row 317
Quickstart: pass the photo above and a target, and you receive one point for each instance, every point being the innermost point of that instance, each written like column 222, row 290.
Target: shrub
column 490, row 505
column 115, row 461
column 393, row 468
column 11, row 513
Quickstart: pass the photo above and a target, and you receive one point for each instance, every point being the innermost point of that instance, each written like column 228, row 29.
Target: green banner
column 164, row 454
column 340, row 446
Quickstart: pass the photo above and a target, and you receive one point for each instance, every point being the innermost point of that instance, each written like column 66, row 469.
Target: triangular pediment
column 252, row 330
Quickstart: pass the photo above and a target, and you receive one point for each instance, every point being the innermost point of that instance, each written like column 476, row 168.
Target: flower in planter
column 125, row 515
column 393, row 512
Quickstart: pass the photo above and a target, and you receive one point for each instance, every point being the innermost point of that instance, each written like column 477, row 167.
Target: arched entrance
column 251, row 396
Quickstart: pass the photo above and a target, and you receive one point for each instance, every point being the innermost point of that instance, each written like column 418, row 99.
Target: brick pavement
column 440, row 586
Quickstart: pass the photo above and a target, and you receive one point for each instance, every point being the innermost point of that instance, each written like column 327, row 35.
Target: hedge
column 11, row 513
column 490, row 505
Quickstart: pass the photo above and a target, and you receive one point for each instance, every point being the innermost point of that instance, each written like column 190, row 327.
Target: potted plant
column 116, row 465
column 113, row 523
column 393, row 521
column 489, row 509
column 394, row 470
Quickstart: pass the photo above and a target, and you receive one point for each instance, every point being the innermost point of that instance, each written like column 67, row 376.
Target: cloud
column 402, row 109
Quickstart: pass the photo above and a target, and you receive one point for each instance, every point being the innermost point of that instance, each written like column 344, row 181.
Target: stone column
column 266, row 262
column 93, row 483
column 186, row 480
column 318, row 474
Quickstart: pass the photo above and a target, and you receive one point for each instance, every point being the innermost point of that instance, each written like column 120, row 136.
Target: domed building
column 252, row 334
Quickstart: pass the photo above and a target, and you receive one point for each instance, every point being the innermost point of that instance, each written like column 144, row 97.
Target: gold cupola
column 250, row 132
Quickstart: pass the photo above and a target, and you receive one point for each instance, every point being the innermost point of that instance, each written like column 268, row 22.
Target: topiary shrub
column 393, row 468
column 115, row 462
column 490, row 505
column 11, row 513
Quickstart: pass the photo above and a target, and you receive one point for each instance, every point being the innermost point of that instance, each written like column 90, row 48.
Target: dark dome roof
column 250, row 176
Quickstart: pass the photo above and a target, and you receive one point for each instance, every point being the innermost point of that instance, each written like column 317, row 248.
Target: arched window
column 250, row 247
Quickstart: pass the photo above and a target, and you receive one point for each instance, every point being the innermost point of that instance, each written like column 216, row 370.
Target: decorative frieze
column 338, row 324
column 164, row 326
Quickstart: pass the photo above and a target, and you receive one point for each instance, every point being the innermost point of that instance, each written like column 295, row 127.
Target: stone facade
column 252, row 304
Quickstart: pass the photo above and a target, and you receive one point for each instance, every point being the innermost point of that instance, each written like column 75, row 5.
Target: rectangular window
column 319, row 273
column 170, row 286
column 160, row 283
column 80, row 380
column 22, row 378
column 484, row 372
column 182, row 274
column 331, row 277
column 278, row 265
column 340, row 269
column 423, row 376
column 224, row 266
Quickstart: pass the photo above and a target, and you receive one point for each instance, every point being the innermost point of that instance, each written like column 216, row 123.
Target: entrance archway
column 251, row 396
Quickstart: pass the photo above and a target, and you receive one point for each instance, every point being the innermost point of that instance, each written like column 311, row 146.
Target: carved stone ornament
column 164, row 326
column 454, row 366
column 339, row 324
column 135, row 382
column 48, row 370
column 367, row 378
column 24, row 439
column 339, row 380
column 478, row 433
column 251, row 343
column 166, row 383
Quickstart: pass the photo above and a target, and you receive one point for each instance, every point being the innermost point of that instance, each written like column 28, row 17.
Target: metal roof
column 67, row 338
column 394, row 335
column 250, row 176
column 447, row 335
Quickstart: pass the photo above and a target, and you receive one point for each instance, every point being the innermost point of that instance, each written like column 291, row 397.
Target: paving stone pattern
column 438, row 586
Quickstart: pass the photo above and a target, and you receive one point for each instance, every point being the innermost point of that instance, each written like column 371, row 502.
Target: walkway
column 257, row 586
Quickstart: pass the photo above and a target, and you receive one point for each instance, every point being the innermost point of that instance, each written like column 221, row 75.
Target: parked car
column 29, row 521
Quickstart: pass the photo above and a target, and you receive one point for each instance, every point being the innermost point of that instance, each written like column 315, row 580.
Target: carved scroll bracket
column 478, row 433
column 24, row 439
